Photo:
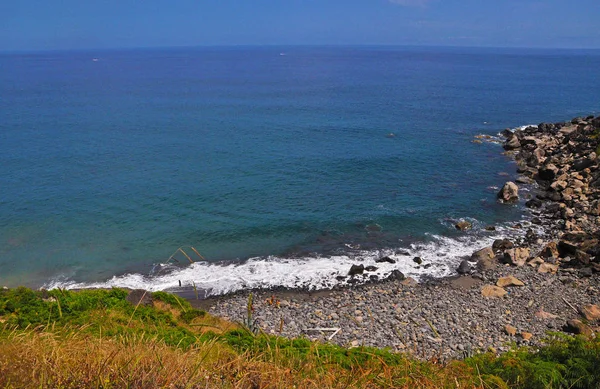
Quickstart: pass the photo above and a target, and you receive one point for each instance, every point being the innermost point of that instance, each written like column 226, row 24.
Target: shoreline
column 456, row 316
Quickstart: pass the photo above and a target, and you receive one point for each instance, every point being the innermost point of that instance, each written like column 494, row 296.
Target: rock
column 418, row 260
column 463, row 225
column 577, row 327
column 492, row 291
column 534, row 262
column 385, row 259
column 509, row 192
column 526, row 336
column 548, row 172
column 464, row 267
column 490, row 228
column 549, row 251
column 586, row 272
column 501, row 245
column 396, row 275
column 510, row 330
column 590, row 312
column 583, row 163
column 509, row 281
column 139, row 297
column 516, row 257
column 484, row 253
column 371, row 268
column 356, row 270
column 541, row 314
column 512, row 143
column 547, row 268
column 533, row 203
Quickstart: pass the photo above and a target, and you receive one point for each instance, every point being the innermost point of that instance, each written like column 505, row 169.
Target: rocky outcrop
column 509, row 192
column 562, row 158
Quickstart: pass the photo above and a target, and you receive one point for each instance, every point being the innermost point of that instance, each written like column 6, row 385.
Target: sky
column 93, row 24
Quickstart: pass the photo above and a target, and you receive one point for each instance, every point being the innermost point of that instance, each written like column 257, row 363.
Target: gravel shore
column 555, row 284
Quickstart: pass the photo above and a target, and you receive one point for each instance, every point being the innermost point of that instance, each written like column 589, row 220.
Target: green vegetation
column 98, row 339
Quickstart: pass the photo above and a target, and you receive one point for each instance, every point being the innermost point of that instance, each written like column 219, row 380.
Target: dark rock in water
column 396, row 275
column 502, row 245
column 490, row 228
column 373, row 228
column 402, row 252
column 507, row 133
column 418, row 260
column 530, row 235
column 356, row 269
column 385, row 259
column 139, row 297
column 371, row 268
column 373, row 277
column 464, row 267
column 533, row 203
column 512, row 142
column 548, row 172
column 463, row 225
column 427, row 266
column 340, row 278
column 536, row 220
column 509, row 192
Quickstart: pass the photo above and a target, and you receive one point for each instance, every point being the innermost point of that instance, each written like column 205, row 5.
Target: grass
column 97, row 339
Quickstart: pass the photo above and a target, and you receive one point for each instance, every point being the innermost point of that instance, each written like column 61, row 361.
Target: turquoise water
column 110, row 161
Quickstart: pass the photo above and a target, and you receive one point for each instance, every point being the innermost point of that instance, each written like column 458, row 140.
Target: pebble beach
column 513, row 293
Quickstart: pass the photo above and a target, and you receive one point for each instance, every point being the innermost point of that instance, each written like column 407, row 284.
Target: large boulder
column 512, row 143
column 501, row 245
column 463, row 225
column 493, row 291
column 548, row 172
column 516, row 257
column 509, row 192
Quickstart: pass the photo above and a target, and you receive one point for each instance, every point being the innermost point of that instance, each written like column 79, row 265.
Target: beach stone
column 509, row 192
column 140, row 296
column 464, row 267
column 541, row 314
column 418, row 260
column 534, row 262
column 500, row 245
column 590, row 312
column 549, row 251
column 547, row 268
column 385, row 259
column 510, row 330
column 396, row 275
column 577, row 327
column 526, row 336
column 463, row 225
column 512, row 143
column 483, row 254
column 493, row 291
column 548, row 172
column 356, row 270
column 371, row 268
column 516, row 257
column 509, row 281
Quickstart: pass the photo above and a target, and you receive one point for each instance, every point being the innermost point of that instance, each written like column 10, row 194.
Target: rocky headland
column 514, row 291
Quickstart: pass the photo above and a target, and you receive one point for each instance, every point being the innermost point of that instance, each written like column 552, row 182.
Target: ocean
column 280, row 166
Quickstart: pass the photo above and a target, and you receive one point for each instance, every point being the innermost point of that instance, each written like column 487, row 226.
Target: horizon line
column 264, row 45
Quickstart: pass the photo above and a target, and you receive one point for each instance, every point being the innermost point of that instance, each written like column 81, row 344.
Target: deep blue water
column 111, row 160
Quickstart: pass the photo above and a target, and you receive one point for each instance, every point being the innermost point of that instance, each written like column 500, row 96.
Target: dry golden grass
column 70, row 358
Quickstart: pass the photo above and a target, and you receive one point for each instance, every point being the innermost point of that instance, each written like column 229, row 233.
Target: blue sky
column 80, row 24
